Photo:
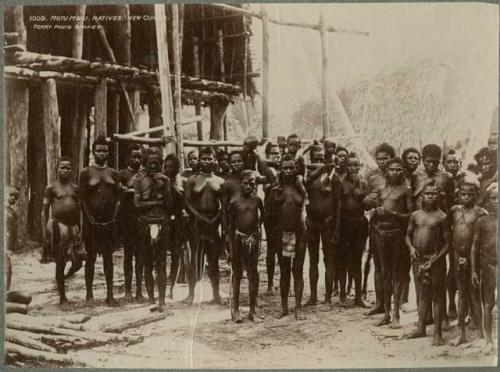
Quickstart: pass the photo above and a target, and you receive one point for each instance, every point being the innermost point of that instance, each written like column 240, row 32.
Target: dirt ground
column 202, row 336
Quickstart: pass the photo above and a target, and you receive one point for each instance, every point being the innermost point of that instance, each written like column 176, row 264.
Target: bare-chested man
column 376, row 181
column 245, row 216
column 128, row 222
column 342, row 155
column 100, row 197
column 427, row 237
column 153, row 200
column 411, row 157
column 223, row 167
column 487, row 163
column 354, row 229
column 61, row 230
column 484, row 261
column 285, row 203
column 203, row 194
column 393, row 206
column 464, row 217
column 323, row 223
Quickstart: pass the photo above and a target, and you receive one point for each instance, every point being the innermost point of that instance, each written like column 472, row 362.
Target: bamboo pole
column 324, row 80
column 265, row 72
column 164, row 74
column 196, row 73
column 100, row 100
column 51, row 123
column 184, row 121
column 177, row 49
column 77, row 35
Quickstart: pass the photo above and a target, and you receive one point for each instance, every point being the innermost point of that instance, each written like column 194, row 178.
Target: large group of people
column 415, row 211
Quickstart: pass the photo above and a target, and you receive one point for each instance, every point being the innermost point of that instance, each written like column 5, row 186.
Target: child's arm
column 475, row 250
column 408, row 238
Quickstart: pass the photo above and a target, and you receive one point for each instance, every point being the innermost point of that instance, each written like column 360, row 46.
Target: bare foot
column 445, row 325
column 375, row 310
column 343, row 303
column 335, row 292
column 415, row 334
column 89, row 301
column 237, row 317
column 488, row 348
column 437, row 341
column 385, row 320
column 128, row 297
column 459, row 340
column 218, row 300
column 299, row 314
column 151, row 300
column 140, row 298
column 65, row 306
column 170, row 296
column 255, row 317
column 283, row 314
column 452, row 314
column 188, row 300
column 360, row 303
column 327, row 301
column 111, row 302
column 312, row 302
column 395, row 324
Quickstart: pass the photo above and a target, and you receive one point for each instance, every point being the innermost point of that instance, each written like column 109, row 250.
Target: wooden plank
column 100, row 113
column 265, row 73
column 324, row 79
column 16, row 120
column 77, row 33
column 177, row 50
column 51, row 123
column 167, row 108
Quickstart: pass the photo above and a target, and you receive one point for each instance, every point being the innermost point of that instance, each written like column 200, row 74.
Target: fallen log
column 12, row 307
column 20, row 339
column 65, row 343
column 18, row 297
column 134, row 323
column 44, row 356
column 13, row 324
column 50, row 322
column 77, row 318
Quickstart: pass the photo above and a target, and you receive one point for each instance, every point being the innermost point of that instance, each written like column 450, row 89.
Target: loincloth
column 436, row 272
column 250, row 244
column 66, row 248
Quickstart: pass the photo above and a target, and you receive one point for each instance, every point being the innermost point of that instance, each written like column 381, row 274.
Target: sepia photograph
column 250, row 185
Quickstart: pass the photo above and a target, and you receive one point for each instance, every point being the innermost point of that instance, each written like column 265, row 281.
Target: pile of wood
column 46, row 341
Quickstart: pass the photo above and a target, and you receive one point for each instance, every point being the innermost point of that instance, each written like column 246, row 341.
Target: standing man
column 100, row 197
column 203, row 195
column 323, row 222
column 487, row 163
column 411, row 158
column 128, row 222
column 393, row 206
column 376, row 181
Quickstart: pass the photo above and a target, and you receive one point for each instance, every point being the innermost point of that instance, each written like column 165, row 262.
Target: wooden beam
column 184, row 121
column 51, row 123
column 16, row 122
column 235, row 9
column 100, row 113
column 265, row 73
column 164, row 74
column 77, row 33
column 196, row 72
column 177, row 50
column 19, row 27
column 220, row 49
column 324, row 80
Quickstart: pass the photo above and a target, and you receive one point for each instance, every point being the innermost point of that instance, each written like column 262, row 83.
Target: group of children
column 414, row 216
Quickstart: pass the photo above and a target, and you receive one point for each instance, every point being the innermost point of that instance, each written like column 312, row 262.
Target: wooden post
column 196, row 73
column 218, row 108
column 37, row 167
column 220, row 47
column 164, row 75
column 84, row 134
column 51, row 124
column 265, row 73
column 177, row 49
column 100, row 108
column 79, row 139
column 113, row 121
column 18, row 18
column 123, row 34
column 324, row 81
column 16, row 120
column 77, row 35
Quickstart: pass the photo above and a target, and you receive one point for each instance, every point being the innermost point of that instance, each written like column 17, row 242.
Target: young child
column 11, row 218
column 245, row 215
column 61, row 231
column 464, row 217
column 428, row 237
column 484, row 261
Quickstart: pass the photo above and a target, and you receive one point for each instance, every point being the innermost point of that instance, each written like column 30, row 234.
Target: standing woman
column 100, row 192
